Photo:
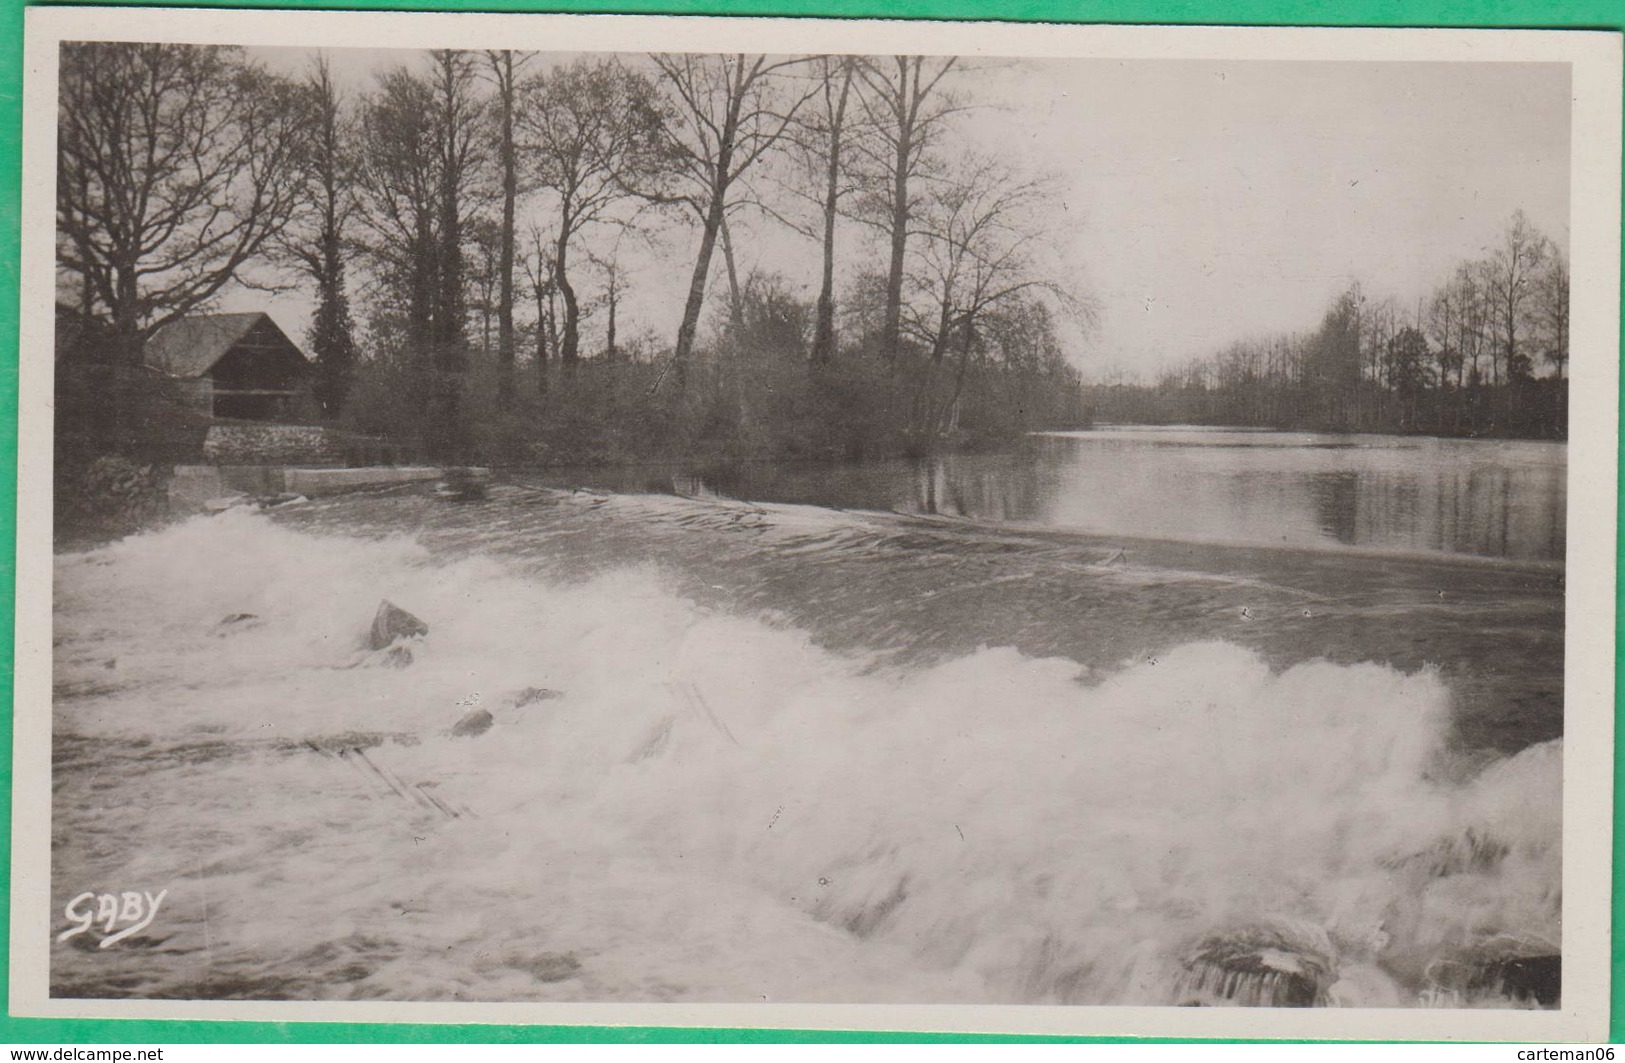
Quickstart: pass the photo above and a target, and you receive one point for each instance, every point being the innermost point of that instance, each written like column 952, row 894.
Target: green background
column 1553, row 14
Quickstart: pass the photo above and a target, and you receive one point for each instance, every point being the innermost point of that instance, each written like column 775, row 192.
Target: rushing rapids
column 800, row 755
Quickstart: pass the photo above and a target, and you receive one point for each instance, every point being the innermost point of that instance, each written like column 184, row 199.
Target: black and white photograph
column 799, row 523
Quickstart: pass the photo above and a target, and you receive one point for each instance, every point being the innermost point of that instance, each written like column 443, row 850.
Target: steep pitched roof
column 190, row 347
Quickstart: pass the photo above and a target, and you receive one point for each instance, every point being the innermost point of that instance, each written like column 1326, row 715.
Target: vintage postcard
column 817, row 524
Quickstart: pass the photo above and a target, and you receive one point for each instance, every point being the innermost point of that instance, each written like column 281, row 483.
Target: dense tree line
column 461, row 223
column 1484, row 354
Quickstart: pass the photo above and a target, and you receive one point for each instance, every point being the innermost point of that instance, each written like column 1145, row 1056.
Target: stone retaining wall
column 272, row 444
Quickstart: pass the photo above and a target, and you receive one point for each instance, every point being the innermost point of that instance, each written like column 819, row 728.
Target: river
column 1129, row 716
column 1488, row 498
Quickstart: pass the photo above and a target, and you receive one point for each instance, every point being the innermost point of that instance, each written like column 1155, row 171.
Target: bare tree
column 504, row 71
column 736, row 306
column 614, row 284
column 460, row 116
column 980, row 234
column 177, row 164
column 593, row 132
column 460, row 120
column 1473, row 312
column 484, row 239
column 399, row 212
column 542, row 277
column 1446, row 327
column 1407, row 373
column 1552, row 307
column 824, row 179
column 1379, row 321
column 1511, row 274
column 728, row 111
column 315, row 241
column 423, row 179
column 906, row 109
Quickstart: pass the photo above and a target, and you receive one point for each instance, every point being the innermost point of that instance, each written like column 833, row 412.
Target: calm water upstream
column 1490, row 498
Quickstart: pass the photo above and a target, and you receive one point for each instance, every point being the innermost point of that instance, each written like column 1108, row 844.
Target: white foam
column 720, row 809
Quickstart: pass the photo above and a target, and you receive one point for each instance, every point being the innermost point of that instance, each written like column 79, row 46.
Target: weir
column 738, row 753
column 194, row 486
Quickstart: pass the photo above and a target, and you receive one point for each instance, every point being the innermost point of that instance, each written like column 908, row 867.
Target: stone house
column 251, row 384
column 234, row 367
column 222, row 389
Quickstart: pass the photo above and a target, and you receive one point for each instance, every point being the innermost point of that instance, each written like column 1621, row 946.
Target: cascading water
column 717, row 803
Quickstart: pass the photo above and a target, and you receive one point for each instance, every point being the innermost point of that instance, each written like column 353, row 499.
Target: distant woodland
column 1484, row 354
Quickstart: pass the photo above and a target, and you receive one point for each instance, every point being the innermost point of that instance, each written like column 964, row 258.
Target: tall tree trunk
column 892, row 339
column 505, row 251
column 570, row 340
column 447, row 431
column 128, row 339
column 736, row 299
column 696, row 291
column 334, row 346
column 541, row 342
column 966, row 336
column 330, row 334
column 823, row 346
column 420, row 336
column 128, row 343
column 939, row 342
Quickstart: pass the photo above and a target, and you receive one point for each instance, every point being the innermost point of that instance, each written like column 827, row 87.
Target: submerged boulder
column 474, row 723
column 530, row 696
column 236, row 622
column 548, row 966
column 1522, row 979
column 1268, row 965
column 1478, row 977
column 391, row 623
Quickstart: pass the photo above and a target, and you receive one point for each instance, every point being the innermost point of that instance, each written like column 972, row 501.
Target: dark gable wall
column 264, row 360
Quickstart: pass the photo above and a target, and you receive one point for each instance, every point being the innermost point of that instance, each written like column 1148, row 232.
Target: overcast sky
column 1206, row 201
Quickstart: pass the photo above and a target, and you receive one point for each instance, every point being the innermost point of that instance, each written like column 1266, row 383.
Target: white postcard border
column 1590, row 602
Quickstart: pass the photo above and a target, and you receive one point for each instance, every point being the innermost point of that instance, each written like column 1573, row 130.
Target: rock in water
column 530, row 696
column 1526, row 979
column 236, row 622
column 1277, row 966
column 548, row 966
column 391, row 622
column 473, row 724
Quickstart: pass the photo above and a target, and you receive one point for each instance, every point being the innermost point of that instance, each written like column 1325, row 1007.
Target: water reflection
column 1488, row 498
column 1337, row 501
